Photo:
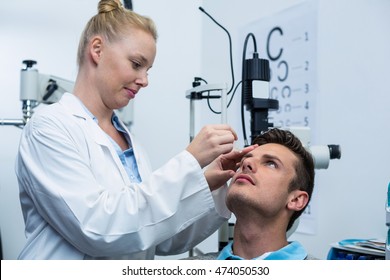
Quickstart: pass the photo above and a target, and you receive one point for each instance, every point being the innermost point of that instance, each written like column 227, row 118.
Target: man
column 268, row 193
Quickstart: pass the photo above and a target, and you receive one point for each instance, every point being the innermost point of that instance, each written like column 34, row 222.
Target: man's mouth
column 244, row 178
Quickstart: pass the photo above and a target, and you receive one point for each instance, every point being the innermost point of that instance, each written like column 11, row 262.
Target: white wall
column 352, row 66
column 352, row 107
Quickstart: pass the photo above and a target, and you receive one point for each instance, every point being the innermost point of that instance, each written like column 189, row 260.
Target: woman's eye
column 136, row 65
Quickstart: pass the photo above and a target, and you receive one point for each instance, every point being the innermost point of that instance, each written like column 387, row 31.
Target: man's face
column 262, row 181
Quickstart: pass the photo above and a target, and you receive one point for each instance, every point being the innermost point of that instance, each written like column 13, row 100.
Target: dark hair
column 304, row 169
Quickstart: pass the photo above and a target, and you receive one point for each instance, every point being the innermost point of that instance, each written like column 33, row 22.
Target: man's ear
column 297, row 200
column 96, row 48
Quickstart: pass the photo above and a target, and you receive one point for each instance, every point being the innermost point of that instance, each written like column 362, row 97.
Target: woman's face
column 122, row 68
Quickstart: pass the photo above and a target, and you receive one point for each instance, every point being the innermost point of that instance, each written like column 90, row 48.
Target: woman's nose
column 143, row 80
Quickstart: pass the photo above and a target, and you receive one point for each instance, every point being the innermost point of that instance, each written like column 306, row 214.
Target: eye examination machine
column 35, row 89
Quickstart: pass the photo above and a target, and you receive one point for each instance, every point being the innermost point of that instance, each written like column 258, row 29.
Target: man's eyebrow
column 272, row 157
column 264, row 156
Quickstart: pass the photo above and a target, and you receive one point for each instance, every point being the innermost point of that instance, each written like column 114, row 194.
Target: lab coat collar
column 74, row 105
column 77, row 109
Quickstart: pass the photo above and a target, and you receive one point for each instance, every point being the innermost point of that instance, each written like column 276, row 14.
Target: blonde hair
column 110, row 22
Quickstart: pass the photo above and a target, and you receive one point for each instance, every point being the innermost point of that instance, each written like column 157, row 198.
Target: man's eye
column 271, row 164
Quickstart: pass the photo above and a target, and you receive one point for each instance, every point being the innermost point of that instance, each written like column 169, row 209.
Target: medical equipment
column 255, row 92
column 255, row 96
column 128, row 4
column 37, row 88
column 197, row 93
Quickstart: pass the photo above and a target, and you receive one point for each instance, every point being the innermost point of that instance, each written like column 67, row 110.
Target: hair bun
column 106, row 6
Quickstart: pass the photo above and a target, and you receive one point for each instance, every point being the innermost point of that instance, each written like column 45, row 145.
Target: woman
column 86, row 187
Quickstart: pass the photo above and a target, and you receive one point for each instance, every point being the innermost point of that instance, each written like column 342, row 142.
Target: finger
column 225, row 128
column 238, row 154
column 249, row 149
column 226, row 138
column 226, row 148
column 234, row 134
column 227, row 174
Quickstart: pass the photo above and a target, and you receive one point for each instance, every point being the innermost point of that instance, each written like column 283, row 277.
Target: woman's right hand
column 211, row 142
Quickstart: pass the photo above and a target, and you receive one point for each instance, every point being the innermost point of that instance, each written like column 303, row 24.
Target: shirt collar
column 117, row 123
column 293, row 251
column 227, row 253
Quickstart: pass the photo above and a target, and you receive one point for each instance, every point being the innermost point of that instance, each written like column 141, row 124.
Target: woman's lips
column 131, row 93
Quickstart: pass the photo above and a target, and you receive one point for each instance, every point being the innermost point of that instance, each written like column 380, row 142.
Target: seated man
column 267, row 194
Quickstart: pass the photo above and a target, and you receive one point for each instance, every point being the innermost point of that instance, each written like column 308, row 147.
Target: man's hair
column 304, row 169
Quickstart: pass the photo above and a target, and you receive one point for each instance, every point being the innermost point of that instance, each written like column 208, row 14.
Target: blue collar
column 293, row 251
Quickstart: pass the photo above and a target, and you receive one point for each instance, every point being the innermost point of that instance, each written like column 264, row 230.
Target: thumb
column 227, row 174
column 218, row 180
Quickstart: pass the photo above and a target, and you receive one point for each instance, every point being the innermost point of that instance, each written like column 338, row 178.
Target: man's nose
column 247, row 165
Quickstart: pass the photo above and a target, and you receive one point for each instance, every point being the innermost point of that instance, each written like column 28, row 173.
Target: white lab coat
column 78, row 202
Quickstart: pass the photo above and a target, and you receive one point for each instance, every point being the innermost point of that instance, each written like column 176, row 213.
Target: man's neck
column 252, row 240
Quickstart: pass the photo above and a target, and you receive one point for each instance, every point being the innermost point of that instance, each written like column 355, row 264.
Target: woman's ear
column 297, row 200
column 96, row 48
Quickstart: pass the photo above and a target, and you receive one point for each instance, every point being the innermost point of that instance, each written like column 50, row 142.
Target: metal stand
column 196, row 93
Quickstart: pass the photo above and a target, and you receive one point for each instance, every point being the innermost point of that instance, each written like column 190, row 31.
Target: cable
column 234, row 91
column 250, row 35
column 242, row 88
column 230, row 47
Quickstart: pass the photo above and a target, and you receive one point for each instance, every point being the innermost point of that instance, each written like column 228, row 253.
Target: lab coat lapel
column 94, row 131
column 102, row 139
column 76, row 108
